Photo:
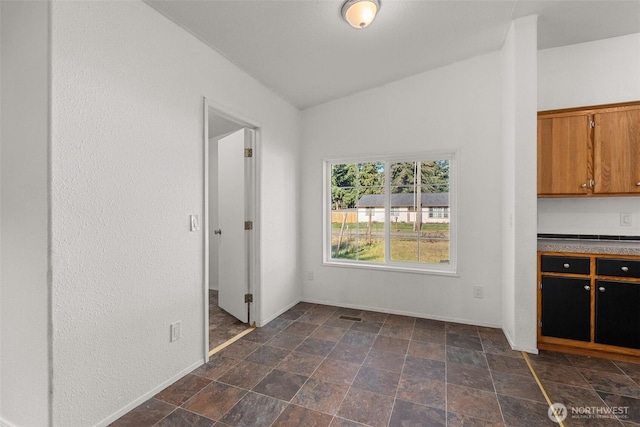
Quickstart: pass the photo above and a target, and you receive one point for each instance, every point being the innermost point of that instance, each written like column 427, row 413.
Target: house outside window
column 394, row 213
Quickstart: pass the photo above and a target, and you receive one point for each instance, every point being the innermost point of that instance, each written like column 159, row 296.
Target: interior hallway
column 309, row 367
column 222, row 325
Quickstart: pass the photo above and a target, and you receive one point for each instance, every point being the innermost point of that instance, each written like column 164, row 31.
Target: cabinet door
column 566, row 308
column 617, row 152
column 563, row 155
column 618, row 313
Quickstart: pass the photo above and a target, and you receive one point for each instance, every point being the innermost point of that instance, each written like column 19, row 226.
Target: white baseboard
column 5, row 423
column 406, row 313
column 531, row 350
column 269, row 319
column 111, row 418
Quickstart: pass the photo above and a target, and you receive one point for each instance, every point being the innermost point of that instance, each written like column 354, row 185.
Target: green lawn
column 433, row 244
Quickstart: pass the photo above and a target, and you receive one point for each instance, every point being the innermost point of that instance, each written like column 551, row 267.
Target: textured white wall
column 127, row 160
column 24, row 294
column 457, row 107
column 600, row 72
column 519, row 66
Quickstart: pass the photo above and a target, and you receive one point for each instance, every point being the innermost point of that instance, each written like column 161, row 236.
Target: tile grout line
column 395, row 397
column 542, row 389
column 446, row 380
column 493, row 383
column 316, row 368
column 290, row 402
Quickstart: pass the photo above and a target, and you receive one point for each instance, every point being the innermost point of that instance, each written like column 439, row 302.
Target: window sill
column 390, row 268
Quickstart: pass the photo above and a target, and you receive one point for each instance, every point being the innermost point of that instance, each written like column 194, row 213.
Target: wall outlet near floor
column 478, row 292
column 176, row 332
column 625, row 219
column 310, row 276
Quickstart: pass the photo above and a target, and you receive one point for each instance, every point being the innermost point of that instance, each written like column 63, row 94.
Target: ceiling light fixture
column 360, row 13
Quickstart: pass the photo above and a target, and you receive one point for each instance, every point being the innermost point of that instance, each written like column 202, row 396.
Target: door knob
column 638, row 183
column 218, row 231
column 624, row 268
column 566, row 265
column 601, row 289
column 584, row 186
column 587, row 287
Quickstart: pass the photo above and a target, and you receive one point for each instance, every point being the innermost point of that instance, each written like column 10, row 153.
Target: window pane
column 434, row 244
column 357, row 211
column 343, row 186
column 342, row 239
column 418, row 210
column 371, row 174
column 371, row 234
column 371, row 220
column 404, row 245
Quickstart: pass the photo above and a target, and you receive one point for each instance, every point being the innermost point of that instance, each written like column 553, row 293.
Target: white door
column 233, row 247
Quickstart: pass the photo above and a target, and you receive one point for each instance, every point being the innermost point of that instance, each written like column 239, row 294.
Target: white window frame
column 448, row 269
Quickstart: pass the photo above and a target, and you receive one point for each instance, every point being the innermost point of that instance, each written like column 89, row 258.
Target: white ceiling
column 306, row 53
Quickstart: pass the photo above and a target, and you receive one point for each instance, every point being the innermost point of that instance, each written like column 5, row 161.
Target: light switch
column 195, row 225
column 625, row 219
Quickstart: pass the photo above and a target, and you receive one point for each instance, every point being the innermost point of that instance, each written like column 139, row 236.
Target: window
column 392, row 213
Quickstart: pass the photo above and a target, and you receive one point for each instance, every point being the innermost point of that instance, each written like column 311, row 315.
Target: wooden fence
column 352, row 217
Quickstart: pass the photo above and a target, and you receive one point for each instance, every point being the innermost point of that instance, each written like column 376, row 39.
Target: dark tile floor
column 222, row 325
column 309, row 367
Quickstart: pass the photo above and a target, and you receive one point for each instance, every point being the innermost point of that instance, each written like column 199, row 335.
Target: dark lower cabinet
column 618, row 313
column 566, row 308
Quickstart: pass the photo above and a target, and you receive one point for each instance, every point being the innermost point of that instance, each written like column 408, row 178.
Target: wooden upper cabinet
column 617, row 152
column 589, row 151
column 563, row 155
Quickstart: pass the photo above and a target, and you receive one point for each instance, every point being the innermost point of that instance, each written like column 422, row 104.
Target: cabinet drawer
column 565, row 264
column 618, row 267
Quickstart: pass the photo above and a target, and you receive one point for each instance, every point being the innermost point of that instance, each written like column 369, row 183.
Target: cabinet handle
column 601, row 289
column 638, row 183
column 566, row 265
column 592, row 183
column 587, row 287
column 625, row 268
column 584, row 186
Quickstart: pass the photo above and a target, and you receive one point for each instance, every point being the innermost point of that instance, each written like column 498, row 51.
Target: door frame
column 253, row 212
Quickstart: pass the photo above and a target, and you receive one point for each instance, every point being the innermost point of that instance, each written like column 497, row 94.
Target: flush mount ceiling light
column 360, row 13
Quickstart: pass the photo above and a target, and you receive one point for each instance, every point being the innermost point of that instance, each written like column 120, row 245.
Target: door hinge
column 539, row 323
column 248, row 298
column 248, row 225
column 248, row 152
column 540, row 285
column 592, row 124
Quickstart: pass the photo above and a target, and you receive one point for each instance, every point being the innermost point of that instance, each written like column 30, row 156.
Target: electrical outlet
column 478, row 292
column 626, row 219
column 310, row 276
column 176, row 332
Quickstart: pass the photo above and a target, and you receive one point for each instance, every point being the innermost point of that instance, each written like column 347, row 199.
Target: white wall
column 457, row 107
column 600, row 72
column 519, row 62
column 127, row 164
column 24, row 294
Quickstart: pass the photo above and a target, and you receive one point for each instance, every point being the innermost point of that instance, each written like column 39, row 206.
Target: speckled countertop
column 583, row 246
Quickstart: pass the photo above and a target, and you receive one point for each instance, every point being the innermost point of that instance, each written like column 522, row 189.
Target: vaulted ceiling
column 306, row 53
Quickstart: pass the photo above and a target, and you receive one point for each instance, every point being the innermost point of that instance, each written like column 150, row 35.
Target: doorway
column 229, row 225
